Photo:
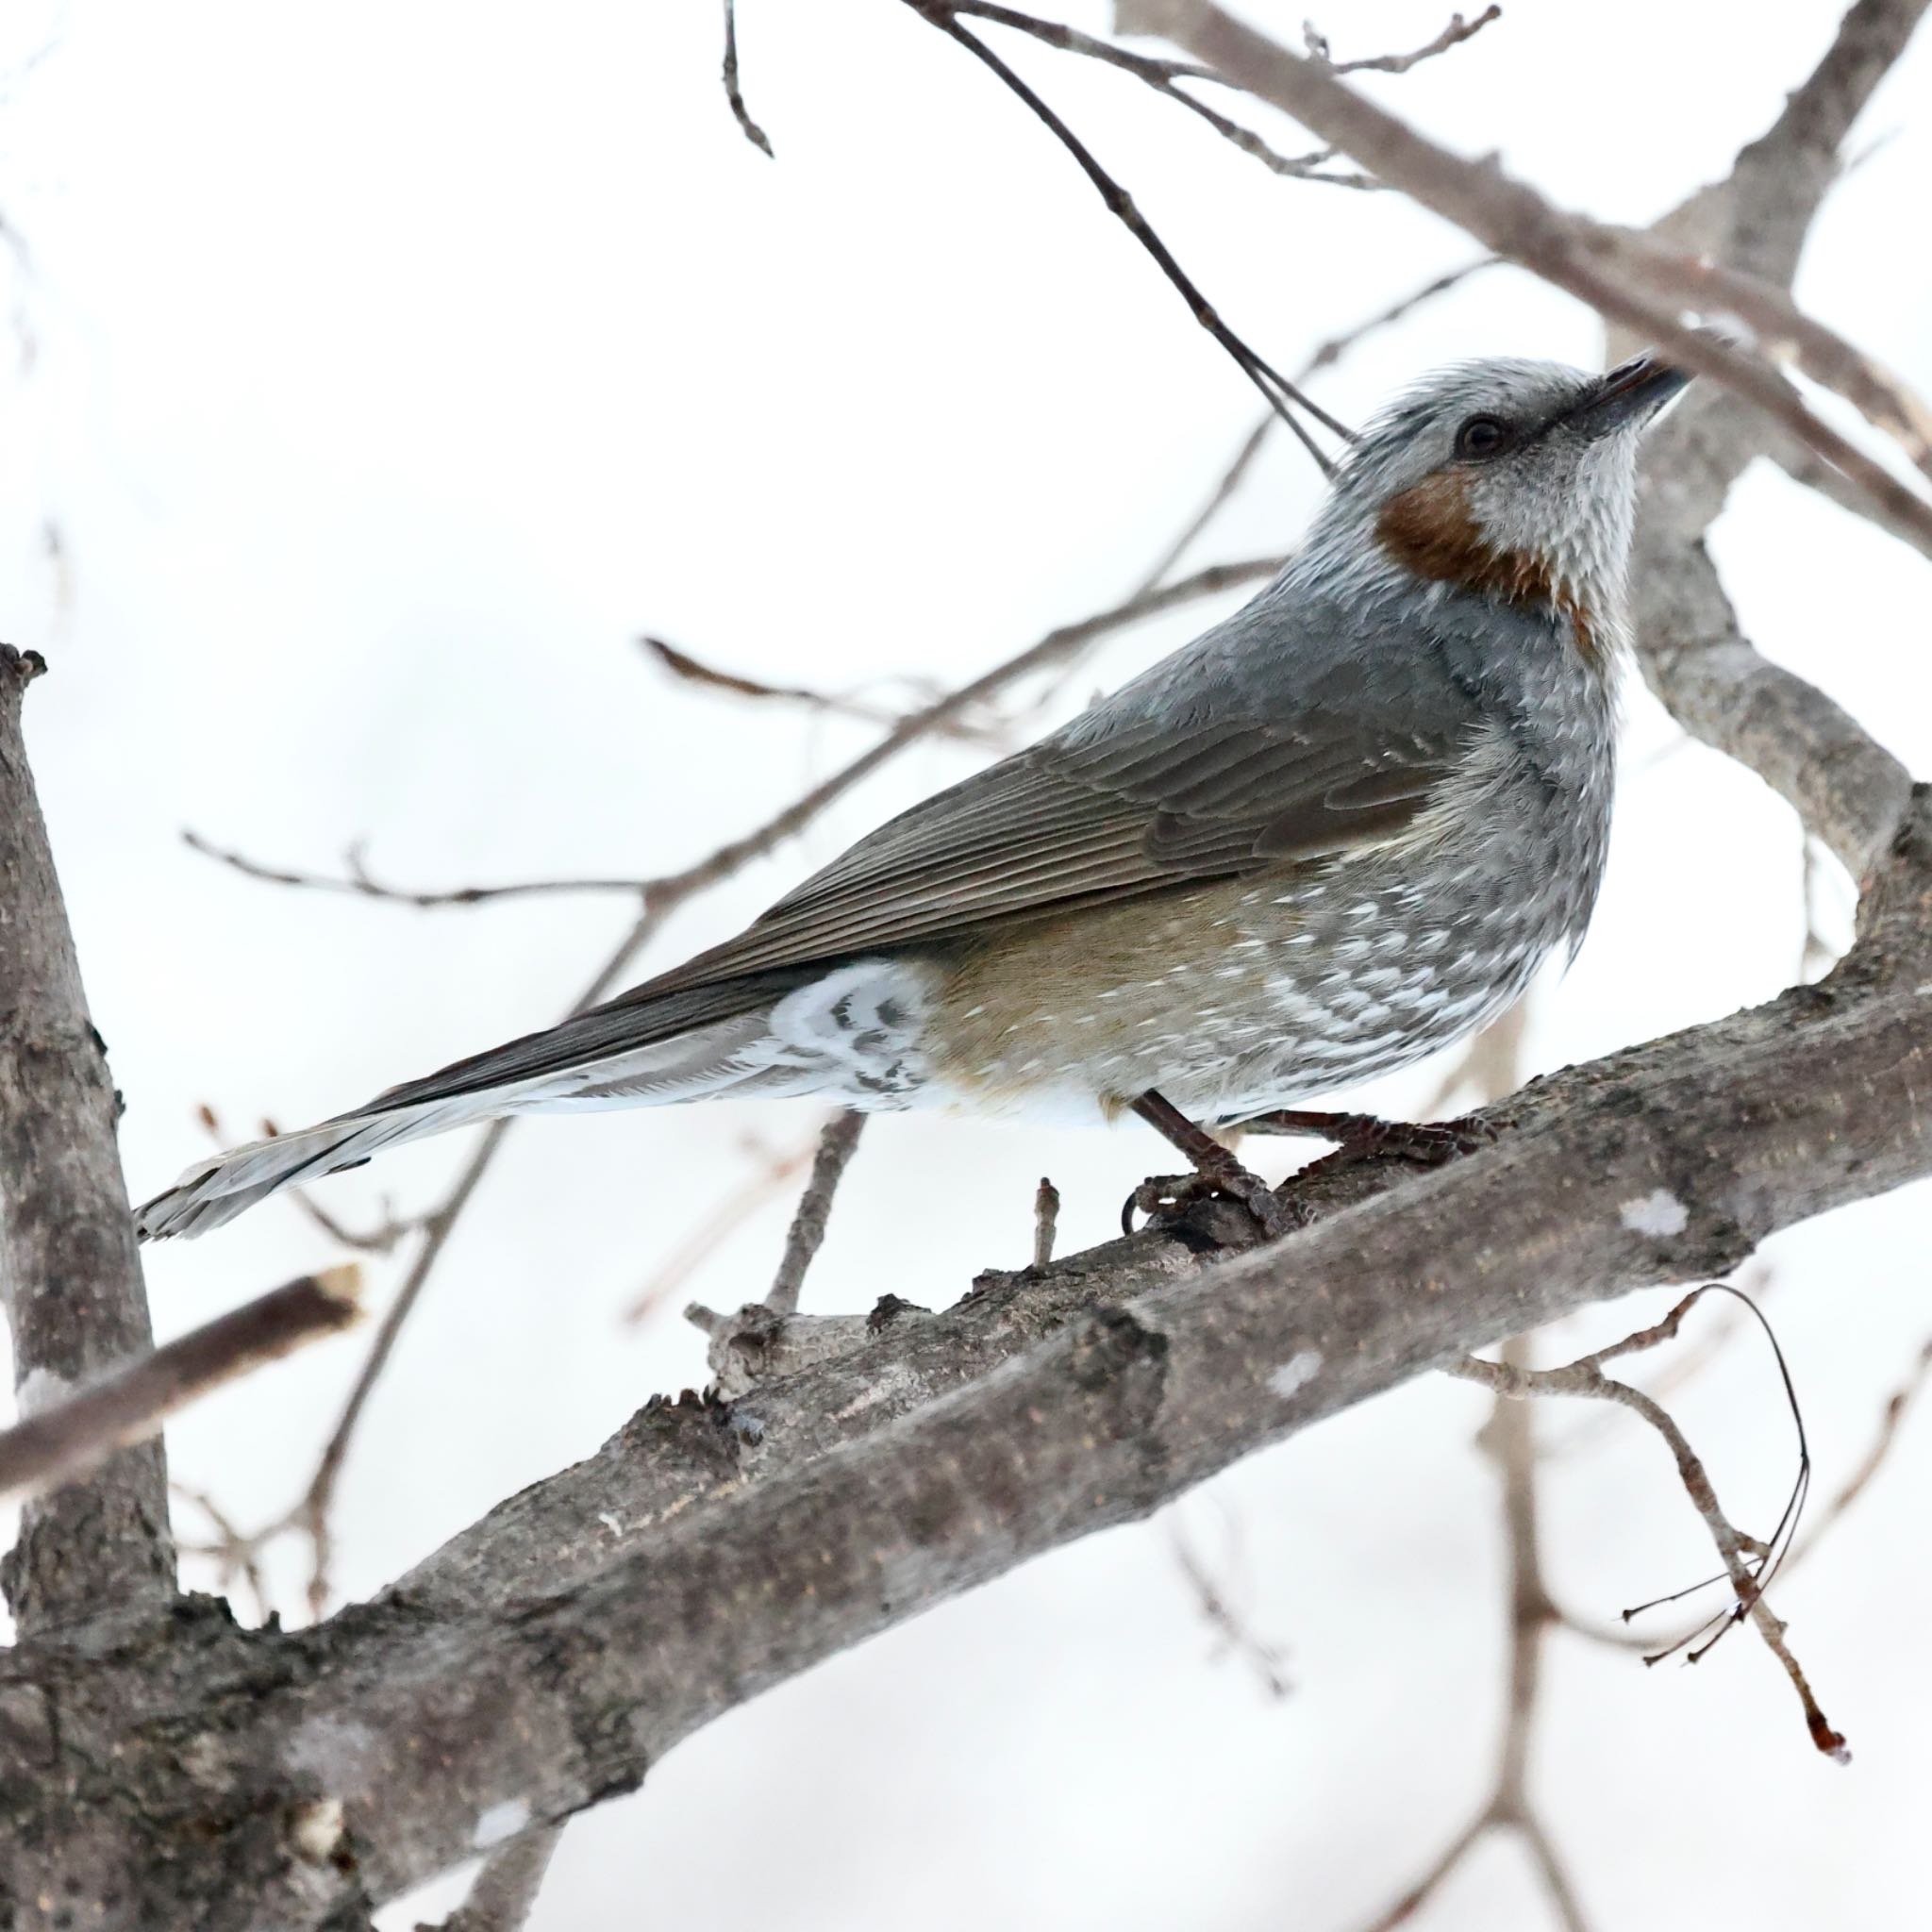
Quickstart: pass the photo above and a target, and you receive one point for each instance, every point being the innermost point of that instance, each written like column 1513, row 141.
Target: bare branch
column 1890, row 1421
column 1748, row 1561
column 1490, row 1067
column 1781, row 332
column 1452, row 35
column 1281, row 394
column 734, row 1207
column 681, row 664
column 1845, row 787
column 1163, row 76
column 557, row 1655
column 1264, row 1659
column 357, row 882
column 838, row 1144
column 1805, row 466
column 1046, row 1220
column 752, row 131
column 313, row 1512
column 69, row 1269
column 664, row 894
column 235, row 1554
column 1612, row 270
column 58, row 1445
column 506, row 1889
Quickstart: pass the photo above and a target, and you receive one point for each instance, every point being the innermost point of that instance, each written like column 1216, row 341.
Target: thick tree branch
column 769, row 1532
column 69, row 1269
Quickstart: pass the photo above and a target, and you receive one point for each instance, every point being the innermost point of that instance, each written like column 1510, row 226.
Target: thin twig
column 129, row 1404
column 313, row 1512
column 1212, row 1599
column 1452, row 35
column 1759, row 1281
column 1782, row 333
column 1325, row 357
column 504, row 1890
column 1628, row 278
column 682, row 665
column 357, row 882
column 1488, row 1067
column 1282, row 395
column 1508, row 1438
column 236, row 1553
column 740, row 1200
column 1046, row 1220
column 1748, row 1562
column 837, row 1142
column 663, row 894
column 1854, row 1485
column 753, row 132
column 1803, row 465
column 1817, row 956
column 1163, row 76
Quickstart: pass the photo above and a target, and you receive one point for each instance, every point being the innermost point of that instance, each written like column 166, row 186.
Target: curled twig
column 1749, row 1563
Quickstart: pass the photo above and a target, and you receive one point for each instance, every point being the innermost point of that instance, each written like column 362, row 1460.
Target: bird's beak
column 1628, row 397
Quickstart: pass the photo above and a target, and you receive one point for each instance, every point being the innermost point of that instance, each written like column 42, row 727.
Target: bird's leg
column 1365, row 1136
column 1216, row 1171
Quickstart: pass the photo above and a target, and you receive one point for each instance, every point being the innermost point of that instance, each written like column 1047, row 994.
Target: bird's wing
column 1271, row 740
column 1207, row 767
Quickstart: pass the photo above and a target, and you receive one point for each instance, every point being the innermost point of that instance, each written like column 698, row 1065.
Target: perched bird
column 1335, row 832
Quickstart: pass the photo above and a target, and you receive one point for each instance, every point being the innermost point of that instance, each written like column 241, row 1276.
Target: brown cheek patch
column 1431, row 529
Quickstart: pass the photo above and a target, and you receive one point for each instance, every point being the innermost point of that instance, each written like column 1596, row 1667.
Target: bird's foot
column 1367, row 1137
column 1166, row 1197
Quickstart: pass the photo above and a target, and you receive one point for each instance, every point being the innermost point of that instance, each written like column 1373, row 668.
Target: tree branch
column 59, row 1444
column 838, row 1144
column 1615, row 272
column 69, row 1269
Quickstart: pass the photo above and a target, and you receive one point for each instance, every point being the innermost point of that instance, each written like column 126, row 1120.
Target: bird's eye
column 1481, row 435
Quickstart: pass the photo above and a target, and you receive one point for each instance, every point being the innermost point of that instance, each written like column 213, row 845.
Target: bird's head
column 1513, row 482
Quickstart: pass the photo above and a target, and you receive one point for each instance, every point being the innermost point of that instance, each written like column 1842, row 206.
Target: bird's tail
column 685, row 1045
column 216, row 1190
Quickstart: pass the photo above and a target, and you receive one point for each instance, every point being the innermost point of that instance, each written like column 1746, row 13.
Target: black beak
column 1627, row 396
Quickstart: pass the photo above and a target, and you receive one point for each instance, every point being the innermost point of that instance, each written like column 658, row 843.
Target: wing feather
column 1207, row 768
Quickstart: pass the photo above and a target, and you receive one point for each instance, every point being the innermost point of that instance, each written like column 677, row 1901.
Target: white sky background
column 393, row 367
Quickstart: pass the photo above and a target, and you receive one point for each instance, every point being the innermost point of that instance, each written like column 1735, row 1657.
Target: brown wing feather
column 1060, row 824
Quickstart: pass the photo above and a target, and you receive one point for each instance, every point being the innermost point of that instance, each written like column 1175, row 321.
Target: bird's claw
column 1429, row 1143
column 1166, row 1197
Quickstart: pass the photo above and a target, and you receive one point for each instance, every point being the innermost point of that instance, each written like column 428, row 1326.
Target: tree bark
column 69, row 1269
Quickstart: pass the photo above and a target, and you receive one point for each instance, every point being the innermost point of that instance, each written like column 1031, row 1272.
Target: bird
column 1340, row 829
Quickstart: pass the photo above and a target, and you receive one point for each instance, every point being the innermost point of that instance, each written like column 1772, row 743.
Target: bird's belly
column 1231, row 998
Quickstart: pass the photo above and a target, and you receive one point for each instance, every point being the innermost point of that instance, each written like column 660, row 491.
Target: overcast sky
column 381, row 371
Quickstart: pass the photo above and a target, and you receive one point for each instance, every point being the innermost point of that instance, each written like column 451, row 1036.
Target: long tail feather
column 216, row 1190
column 690, row 1047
